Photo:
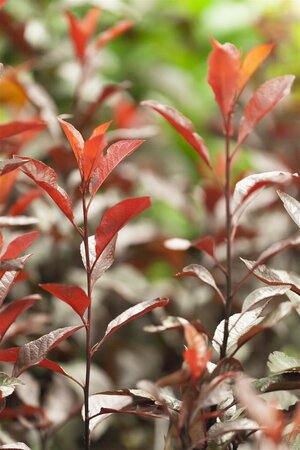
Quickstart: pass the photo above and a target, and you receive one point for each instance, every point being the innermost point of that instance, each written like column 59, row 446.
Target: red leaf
column 76, row 141
column 206, row 244
column 183, row 125
column 263, row 101
column 224, row 74
column 114, row 155
column 19, row 245
column 34, row 352
column 24, row 201
column 93, row 150
column 45, row 177
column 196, row 355
column 9, row 165
column 112, row 33
column 82, row 30
column 116, row 218
column 17, row 127
column 74, row 296
column 2, row 3
column 130, row 314
column 13, row 310
column 251, row 63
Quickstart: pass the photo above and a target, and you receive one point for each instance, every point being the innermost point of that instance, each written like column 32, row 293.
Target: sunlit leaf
column 74, row 296
column 130, row 314
column 262, row 295
column 15, row 446
column 17, row 127
column 112, row 33
column 263, row 101
column 280, row 362
column 19, row 245
column 183, row 125
column 7, row 384
column 196, row 354
column 34, row 352
column 291, row 205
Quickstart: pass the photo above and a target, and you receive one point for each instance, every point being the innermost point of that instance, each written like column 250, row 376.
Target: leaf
column 126, row 401
column 17, row 127
column 17, row 221
column 34, row 352
column 253, row 59
column 15, row 446
column 107, row 163
column 195, row 270
column 260, row 297
column 24, row 201
column 196, row 355
column 104, row 261
column 272, row 276
column 7, row 280
column 248, row 185
column 224, row 73
column 75, row 140
column 283, row 381
column 278, row 247
column 8, row 165
column 19, row 245
column 82, row 30
column 291, row 205
column 230, row 426
column 74, row 296
column 112, row 33
column 184, row 127
column 9, row 314
column 7, row 384
column 205, row 244
column 295, row 300
column 45, row 177
column 7, row 265
column 280, row 362
column 130, row 314
column 263, row 101
column 116, row 218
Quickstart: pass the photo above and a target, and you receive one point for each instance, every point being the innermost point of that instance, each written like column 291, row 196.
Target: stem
column 227, row 194
column 88, row 326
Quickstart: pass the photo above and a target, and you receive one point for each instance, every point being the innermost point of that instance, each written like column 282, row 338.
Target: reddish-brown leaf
column 17, row 127
column 116, row 218
column 130, row 314
column 82, row 30
column 45, row 177
column 22, row 203
column 19, row 245
column 112, row 33
column 72, row 295
column 254, row 58
column 263, row 101
column 107, row 162
column 8, row 165
column 205, row 244
column 224, row 73
column 34, row 352
column 13, row 310
column 183, row 125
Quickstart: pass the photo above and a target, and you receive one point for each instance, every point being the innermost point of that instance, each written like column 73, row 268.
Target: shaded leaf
column 263, row 101
column 259, row 297
column 203, row 274
column 205, row 244
column 231, row 426
column 107, row 162
column 116, row 218
column 74, row 296
column 130, row 314
column 291, row 205
column 253, row 59
column 248, row 185
column 183, row 125
column 17, row 127
column 295, row 300
column 224, row 74
column 45, row 177
column 9, row 314
column 104, row 261
column 11, row 265
column 19, row 245
column 112, row 33
column 34, row 352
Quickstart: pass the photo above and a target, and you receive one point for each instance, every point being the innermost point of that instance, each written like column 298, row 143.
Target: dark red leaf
column 112, row 33
column 82, row 30
column 224, row 74
column 9, row 165
column 19, row 245
column 183, row 125
column 116, row 218
column 22, row 203
column 17, row 127
column 114, row 155
column 72, row 295
column 206, row 244
column 45, row 177
column 130, row 314
column 13, row 310
column 34, row 352
column 263, row 101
